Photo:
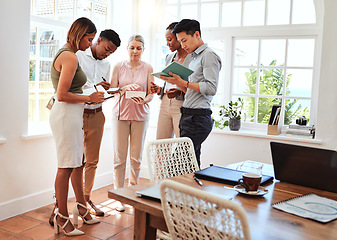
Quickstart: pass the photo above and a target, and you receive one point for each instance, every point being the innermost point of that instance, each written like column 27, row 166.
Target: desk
column 265, row 222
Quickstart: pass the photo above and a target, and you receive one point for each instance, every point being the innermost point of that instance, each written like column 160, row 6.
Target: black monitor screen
column 306, row 166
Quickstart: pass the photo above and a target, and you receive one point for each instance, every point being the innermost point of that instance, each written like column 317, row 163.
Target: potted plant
column 230, row 116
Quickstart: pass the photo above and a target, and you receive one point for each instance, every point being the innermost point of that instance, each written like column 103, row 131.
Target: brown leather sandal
column 93, row 209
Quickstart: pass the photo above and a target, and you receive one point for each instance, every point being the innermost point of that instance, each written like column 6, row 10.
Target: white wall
column 28, row 166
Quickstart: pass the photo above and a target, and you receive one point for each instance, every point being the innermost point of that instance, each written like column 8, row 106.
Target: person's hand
column 97, row 97
column 104, row 84
column 154, row 88
column 138, row 100
column 173, row 92
column 175, row 79
column 130, row 87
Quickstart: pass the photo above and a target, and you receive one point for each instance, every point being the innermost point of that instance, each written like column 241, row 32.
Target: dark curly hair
column 112, row 36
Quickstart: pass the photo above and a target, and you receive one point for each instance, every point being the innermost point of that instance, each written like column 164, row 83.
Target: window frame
column 258, row 95
column 37, row 126
column 293, row 31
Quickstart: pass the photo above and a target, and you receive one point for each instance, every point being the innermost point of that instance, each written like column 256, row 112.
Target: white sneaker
column 120, row 207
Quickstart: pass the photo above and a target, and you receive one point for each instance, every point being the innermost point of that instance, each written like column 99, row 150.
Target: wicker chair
column 191, row 213
column 171, row 157
column 168, row 158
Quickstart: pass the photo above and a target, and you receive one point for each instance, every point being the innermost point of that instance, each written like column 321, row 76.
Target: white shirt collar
column 88, row 52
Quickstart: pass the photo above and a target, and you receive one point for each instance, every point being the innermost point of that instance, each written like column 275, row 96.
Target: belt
column 93, row 111
column 196, row 111
column 179, row 95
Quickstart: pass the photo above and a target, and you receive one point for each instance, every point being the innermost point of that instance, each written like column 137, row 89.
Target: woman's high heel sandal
column 74, row 232
column 76, row 213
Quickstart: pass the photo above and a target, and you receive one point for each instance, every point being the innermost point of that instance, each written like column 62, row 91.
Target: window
column 44, row 43
column 50, row 20
column 283, row 77
column 268, row 50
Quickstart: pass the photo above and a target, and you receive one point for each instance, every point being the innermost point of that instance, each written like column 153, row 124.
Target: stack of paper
column 301, row 131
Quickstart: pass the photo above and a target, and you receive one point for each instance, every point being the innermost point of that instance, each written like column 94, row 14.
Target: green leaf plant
column 232, row 111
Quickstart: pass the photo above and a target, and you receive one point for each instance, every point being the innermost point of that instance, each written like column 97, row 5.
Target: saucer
column 260, row 192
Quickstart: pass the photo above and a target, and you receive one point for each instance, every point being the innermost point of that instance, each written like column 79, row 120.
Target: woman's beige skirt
column 66, row 122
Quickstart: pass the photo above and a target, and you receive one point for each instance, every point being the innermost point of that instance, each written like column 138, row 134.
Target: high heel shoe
column 74, row 232
column 52, row 215
column 76, row 213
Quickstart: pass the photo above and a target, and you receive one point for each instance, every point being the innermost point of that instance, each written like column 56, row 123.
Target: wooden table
column 265, row 222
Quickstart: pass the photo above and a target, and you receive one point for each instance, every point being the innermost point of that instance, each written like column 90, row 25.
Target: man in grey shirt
column 196, row 121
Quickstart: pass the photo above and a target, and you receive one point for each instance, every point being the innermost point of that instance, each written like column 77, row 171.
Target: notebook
column 176, row 68
column 89, row 91
column 131, row 94
column 310, row 206
column 305, row 166
column 225, row 175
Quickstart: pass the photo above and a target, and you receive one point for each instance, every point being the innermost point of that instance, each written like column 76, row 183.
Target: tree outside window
column 262, row 81
column 271, row 83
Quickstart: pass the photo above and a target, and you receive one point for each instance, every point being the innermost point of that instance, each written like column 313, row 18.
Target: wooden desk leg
column 142, row 230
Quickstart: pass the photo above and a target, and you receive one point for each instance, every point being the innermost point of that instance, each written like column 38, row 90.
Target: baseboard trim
column 25, row 203
column 36, row 200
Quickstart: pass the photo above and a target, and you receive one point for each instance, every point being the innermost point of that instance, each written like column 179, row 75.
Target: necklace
column 178, row 59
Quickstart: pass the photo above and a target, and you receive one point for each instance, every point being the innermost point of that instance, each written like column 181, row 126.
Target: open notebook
column 176, row 68
column 89, row 91
column 310, row 206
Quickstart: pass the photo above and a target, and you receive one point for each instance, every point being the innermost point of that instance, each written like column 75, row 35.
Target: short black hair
column 171, row 26
column 112, row 36
column 190, row 26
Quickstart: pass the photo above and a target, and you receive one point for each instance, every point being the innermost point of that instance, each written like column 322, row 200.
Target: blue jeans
column 197, row 128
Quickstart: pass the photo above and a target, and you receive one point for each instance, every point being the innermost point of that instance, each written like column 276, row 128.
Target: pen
column 197, row 180
column 95, row 88
column 103, row 79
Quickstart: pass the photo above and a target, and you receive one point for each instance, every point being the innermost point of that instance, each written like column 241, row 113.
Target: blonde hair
column 137, row 38
column 81, row 27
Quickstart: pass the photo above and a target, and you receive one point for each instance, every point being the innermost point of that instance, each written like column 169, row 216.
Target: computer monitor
column 306, row 166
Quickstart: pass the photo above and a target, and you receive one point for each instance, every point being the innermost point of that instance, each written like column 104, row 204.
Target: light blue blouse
column 206, row 65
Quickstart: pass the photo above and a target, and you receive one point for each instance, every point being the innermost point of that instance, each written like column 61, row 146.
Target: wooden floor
column 34, row 224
